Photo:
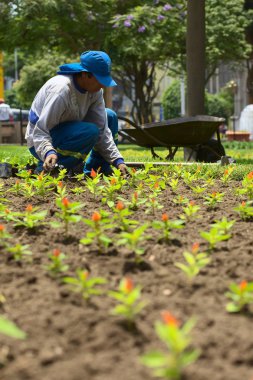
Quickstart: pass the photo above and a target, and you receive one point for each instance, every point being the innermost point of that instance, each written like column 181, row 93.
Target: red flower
column 195, row 247
column 127, row 285
column 29, row 208
column 169, row 319
column 96, row 217
column 165, row 217
column 56, row 252
column 250, row 175
column 93, row 174
column 243, row 285
column 65, row 202
column 120, row 206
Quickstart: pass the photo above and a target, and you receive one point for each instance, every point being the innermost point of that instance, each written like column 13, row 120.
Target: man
column 5, row 111
column 68, row 118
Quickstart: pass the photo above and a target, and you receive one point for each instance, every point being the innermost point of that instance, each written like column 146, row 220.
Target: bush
column 220, row 105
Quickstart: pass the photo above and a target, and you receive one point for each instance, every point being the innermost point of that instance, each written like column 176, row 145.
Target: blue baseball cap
column 98, row 63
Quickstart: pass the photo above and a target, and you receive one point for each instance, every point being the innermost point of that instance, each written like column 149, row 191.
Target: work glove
column 123, row 169
column 50, row 162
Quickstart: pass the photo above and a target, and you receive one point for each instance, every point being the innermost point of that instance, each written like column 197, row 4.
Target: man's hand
column 50, row 162
column 123, row 169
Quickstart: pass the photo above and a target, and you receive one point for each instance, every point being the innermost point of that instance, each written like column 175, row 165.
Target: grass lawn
column 241, row 152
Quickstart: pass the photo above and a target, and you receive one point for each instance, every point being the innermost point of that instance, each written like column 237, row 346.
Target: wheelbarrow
column 188, row 132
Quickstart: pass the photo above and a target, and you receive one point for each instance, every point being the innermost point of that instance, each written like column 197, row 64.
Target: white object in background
column 246, row 120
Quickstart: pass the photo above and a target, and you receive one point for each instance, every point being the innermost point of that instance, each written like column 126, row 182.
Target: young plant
column 42, row 184
column 245, row 210
column 223, row 225
column 109, row 191
column 133, row 240
column 247, row 186
column 135, row 202
column 57, row 264
column 99, row 223
column 87, row 286
column 195, row 261
column 92, row 183
column 198, row 189
column 179, row 354
column 120, row 217
column 180, row 200
column 28, row 190
column 174, row 184
column 212, row 199
column 61, row 190
column 190, row 211
column 30, row 218
column 213, row 237
column 67, row 213
column 227, row 175
column 4, row 236
column 20, row 252
column 17, row 187
column 241, row 296
column 128, row 297
column 152, row 205
column 167, row 225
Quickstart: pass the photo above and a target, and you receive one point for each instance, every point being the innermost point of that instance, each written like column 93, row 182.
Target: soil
column 69, row 338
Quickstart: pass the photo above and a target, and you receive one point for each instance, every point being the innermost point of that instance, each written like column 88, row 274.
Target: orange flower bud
column 191, row 203
column 85, row 275
column 93, row 174
column 127, row 285
column 214, row 194
column 113, row 181
column 65, row 202
column 195, row 247
column 7, row 211
column 250, row 175
column 226, row 172
column 169, row 319
column 17, row 182
column 40, row 177
column 243, row 285
column 135, row 195
column 133, row 170
column 2, row 228
column 29, row 208
column 120, row 206
column 96, row 217
column 165, row 217
column 56, row 252
column 243, row 204
column 60, row 184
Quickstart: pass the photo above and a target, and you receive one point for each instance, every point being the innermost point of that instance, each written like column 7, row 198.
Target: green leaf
column 10, row 329
column 154, row 359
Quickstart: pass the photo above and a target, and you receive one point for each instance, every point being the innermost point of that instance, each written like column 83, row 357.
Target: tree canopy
column 139, row 36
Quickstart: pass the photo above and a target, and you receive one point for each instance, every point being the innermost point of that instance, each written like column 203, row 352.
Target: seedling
column 57, row 264
column 212, row 199
column 20, row 252
column 180, row 200
column 61, row 190
column 198, row 189
column 87, row 286
column 223, row 225
column 170, row 364
column 120, row 217
column 247, row 186
column 99, row 223
column 42, row 184
column 135, row 202
column 195, row 261
column 67, row 213
column 213, row 237
column 167, row 225
column 190, row 211
column 30, row 218
column 227, row 175
column 245, row 210
column 92, row 183
column 109, row 191
column 174, row 184
column 133, row 240
column 241, row 296
column 4, row 235
column 152, row 205
column 128, row 297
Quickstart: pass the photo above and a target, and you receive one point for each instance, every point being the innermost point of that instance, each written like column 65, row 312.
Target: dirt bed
column 69, row 338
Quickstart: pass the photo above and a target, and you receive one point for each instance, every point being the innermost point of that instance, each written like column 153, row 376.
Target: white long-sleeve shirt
column 58, row 101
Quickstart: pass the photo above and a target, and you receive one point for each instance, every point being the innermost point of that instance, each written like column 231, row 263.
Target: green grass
column 243, row 153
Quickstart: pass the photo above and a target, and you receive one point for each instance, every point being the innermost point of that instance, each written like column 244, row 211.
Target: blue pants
column 73, row 140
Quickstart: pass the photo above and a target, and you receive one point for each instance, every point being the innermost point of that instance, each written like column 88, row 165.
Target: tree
column 140, row 38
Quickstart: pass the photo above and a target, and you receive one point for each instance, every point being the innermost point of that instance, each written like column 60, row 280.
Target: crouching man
column 68, row 119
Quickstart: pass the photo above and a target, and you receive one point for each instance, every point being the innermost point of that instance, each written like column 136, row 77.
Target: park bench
column 187, row 132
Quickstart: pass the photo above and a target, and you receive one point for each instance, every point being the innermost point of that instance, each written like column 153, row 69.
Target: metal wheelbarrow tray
column 191, row 132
